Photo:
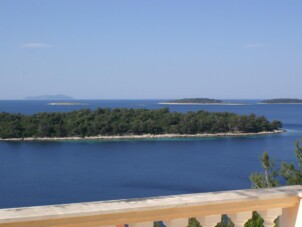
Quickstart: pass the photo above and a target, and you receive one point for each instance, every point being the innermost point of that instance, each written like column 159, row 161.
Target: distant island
column 282, row 101
column 122, row 123
column 49, row 97
column 198, row 101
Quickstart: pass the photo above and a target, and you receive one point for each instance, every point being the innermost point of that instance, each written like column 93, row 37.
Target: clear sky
column 150, row 49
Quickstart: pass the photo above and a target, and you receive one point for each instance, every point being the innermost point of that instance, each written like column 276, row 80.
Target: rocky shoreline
column 144, row 136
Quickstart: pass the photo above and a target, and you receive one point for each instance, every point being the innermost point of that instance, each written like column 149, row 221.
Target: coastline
column 202, row 104
column 283, row 103
column 146, row 136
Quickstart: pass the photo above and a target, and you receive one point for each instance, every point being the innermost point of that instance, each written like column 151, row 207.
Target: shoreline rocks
column 145, row 136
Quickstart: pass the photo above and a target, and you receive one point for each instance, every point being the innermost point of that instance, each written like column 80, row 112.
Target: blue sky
column 150, row 49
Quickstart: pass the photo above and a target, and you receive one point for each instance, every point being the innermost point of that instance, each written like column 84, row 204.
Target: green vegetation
column 281, row 101
column 86, row 122
column 272, row 176
column 288, row 172
column 196, row 100
column 225, row 222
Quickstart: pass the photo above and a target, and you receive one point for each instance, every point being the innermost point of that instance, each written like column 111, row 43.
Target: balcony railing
column 174, row 211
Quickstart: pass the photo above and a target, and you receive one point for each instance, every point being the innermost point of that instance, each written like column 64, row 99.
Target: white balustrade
column 180, row 222
column 209, row 221
column 270, row 215
column 291, row 216
column 144, row 224
column 240, row 218
column 174, row 211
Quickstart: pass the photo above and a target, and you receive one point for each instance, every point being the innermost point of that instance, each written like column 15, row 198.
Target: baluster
column 239, row 219
column 142, row 224
column 291, row 216
column 269, row 216
column 181, row 222
column 209, row 221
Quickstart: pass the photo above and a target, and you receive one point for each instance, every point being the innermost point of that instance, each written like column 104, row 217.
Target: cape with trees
column 86, row 122
column 282, row 101
column 196, row 100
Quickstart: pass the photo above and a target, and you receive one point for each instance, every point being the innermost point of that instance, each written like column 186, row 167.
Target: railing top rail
column 200, row 200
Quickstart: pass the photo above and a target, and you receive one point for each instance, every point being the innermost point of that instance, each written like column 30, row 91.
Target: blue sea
column 42, row 173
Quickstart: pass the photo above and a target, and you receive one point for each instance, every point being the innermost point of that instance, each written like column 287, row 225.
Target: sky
column 151, row 49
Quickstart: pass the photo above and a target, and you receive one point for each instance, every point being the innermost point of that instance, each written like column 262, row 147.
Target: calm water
column 39, row 173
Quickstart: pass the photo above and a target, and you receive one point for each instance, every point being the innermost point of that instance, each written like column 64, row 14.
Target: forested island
column 195, row 101
column 282, row 101
column 129, row 122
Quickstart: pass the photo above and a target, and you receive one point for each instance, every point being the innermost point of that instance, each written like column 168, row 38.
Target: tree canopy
column 119, row 121
column 272, row 176
column 281, row 101
column 196, row 100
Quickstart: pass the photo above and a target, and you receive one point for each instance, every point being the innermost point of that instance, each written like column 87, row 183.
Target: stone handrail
column 174, row 211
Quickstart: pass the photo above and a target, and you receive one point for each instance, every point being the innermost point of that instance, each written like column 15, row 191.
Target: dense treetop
column 196, row 100
column 118, row 121
column 281, row 101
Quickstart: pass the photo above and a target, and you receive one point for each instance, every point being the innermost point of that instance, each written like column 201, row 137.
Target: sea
column 45, row 173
